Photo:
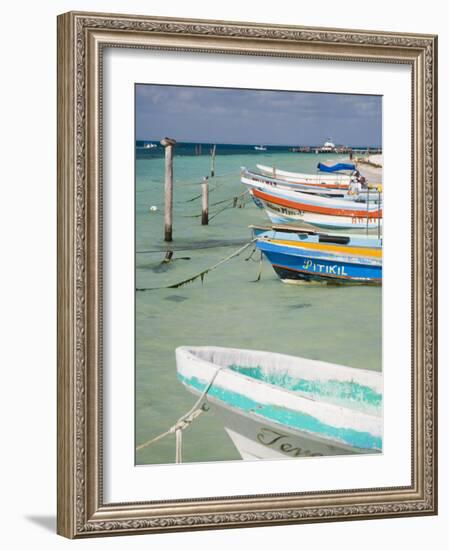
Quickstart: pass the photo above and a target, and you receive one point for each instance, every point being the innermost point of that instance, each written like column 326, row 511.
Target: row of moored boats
column 325, row 227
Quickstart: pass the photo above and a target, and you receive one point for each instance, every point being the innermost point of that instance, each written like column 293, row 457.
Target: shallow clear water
column 331, row 323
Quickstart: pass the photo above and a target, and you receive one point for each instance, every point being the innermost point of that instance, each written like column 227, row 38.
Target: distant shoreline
column 142, row 142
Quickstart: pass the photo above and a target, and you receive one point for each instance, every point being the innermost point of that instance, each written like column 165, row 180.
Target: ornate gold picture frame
column 82, row 39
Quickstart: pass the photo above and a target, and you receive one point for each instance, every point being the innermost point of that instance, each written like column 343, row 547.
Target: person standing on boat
column 358, row 184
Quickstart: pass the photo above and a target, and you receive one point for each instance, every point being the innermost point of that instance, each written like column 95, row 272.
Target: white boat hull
column 269, row 420
column 311, row 188
column 346, row 223
column 305, row 178
column 257, row 439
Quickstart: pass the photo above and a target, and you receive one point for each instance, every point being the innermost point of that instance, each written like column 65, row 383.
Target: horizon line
column 260, row 143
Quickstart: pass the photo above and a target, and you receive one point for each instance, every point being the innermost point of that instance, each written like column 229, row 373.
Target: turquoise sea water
column 338, row 324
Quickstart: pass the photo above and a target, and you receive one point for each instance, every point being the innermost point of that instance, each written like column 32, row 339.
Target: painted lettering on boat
column 272, row 438
column 283, row 209
column 356, row 220
column 310, row 265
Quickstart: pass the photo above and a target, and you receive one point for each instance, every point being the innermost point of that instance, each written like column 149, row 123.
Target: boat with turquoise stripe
column 279, row 406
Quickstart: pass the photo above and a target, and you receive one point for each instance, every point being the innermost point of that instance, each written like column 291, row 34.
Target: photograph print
column 258, row 272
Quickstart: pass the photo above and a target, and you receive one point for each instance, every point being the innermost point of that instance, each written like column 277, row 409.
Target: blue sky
column 225, row 115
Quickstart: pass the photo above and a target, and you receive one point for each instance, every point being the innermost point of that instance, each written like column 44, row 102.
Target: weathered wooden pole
column 168, row 212
column 205, row 202
column 212, row 160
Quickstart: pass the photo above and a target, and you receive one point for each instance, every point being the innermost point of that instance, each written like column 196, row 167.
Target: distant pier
column 339, row 149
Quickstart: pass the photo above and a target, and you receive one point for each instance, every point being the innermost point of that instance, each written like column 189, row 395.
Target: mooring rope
column 196, row 197
column 229, row 199
column 204, row 272
column 220, row 211
column 220, row 244
column 185, row 420
column 232, row 204
column 211, row 178
column 259, row 276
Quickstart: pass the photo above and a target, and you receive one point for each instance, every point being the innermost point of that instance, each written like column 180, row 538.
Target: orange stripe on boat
column 318, row 209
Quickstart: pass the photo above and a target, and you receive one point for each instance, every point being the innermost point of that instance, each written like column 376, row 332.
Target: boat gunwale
column 265, row 179
column 278, row 389
column 354, row 259
column 355, row 241
column 292, row 175
column 305, row 201
column 335, row 223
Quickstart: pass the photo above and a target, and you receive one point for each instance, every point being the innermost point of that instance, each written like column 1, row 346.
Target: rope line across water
column 204, row 272
column 185, row 420
column 232, row 204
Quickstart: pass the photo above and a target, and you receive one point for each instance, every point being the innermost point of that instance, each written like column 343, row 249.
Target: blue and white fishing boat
column 299, row 257
column 279, row 406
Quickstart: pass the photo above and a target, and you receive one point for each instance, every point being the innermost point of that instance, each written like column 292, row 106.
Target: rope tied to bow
column 185, row 420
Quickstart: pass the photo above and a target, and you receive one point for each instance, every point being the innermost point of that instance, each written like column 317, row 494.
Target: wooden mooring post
column 205, row 202
column 212, row 160
column 168, row 144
